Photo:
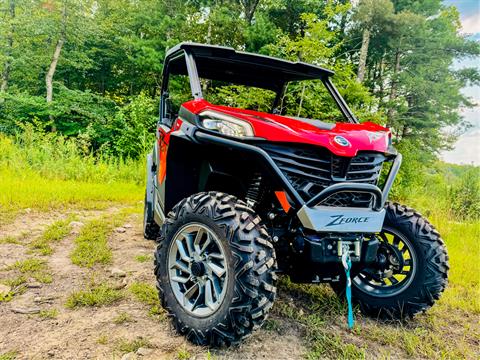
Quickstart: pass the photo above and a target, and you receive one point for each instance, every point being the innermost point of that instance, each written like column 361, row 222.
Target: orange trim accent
column 282, row 198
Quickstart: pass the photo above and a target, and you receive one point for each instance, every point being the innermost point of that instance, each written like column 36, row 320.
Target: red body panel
column 362, row 137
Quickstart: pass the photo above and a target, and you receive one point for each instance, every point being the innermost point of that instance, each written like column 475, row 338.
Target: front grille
column 311, row 169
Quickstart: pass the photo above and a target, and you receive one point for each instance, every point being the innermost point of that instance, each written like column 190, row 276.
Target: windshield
column 303, row 99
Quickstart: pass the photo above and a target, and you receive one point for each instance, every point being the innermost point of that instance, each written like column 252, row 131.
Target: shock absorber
column 254, row 191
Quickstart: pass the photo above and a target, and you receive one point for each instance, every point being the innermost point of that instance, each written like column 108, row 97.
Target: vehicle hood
column 366, row 136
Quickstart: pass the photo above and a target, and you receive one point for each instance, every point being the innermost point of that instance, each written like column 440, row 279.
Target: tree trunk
column 249, row 6
column 8, row 52
column 393, row 88
column 301, row 100
column 51, row 70
column 362, row 62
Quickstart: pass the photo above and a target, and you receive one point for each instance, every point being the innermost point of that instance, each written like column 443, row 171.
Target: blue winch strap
column 348, row 292
column 347, row 264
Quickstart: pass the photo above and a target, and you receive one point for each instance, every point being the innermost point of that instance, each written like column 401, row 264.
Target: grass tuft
column 48, row 314
column 148, row 295
column 53, row 233
column 11, row 355
column 122, row 318
column 183, row 354
column 128, row 346
column 10, row 240
column 92, row 245
column 102, row 339
column 144, row 258
column 28, row 265
column 32, row 267
column 94, row 295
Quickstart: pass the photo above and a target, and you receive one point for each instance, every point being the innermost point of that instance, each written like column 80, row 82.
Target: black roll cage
column 287, row 68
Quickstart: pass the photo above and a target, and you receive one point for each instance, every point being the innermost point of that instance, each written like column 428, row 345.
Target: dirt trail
column 91, row 332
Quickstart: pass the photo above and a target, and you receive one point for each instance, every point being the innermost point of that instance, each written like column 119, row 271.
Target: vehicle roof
column 238, row 67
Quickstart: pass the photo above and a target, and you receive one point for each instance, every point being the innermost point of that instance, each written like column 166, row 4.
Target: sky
column 467, row 148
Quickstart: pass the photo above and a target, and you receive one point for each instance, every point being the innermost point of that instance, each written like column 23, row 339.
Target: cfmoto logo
column 340, row 140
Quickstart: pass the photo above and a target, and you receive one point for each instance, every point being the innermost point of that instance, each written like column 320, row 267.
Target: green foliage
column 122, row 318
column 134, row 126
column 106, row 82
column 148, row 295
column 31, row 267
column 54, row 233
column 127, row 346
column 144, row 258
column 48, row 314
column 464, row 195
column 91, row 245
column 93, row 296
column 54, row 156
column 10, row 355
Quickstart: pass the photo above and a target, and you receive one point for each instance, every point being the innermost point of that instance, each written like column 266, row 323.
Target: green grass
column 148, row 295
column 48, row 314
column 91, row 246
column 10, row 355
column 122, row 318
column 53, row 233
column 32, row 267
column 128, row 346
column 93, row 296
column 10, row 240
column 144, row 258
column 31, row 190
column 44, row 172
column 102, row 339
column 28, row 265
column 183, row 354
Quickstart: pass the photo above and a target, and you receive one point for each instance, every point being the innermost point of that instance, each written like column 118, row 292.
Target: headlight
column 225, row 124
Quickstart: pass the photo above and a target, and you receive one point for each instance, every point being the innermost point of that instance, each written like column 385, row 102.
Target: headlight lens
column 225, row 124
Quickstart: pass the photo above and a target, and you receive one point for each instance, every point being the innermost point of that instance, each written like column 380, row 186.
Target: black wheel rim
column 394, row 269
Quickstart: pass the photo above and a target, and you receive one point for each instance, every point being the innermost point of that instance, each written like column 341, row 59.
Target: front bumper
column 320, row 218
column 312, row 214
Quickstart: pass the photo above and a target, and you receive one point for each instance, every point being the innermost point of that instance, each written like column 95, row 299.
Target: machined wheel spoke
column 190, row 247
column 209, row 295
column 217, row 270
column 216, row 256
column 189, row 293
column 181, row 250
column 180, row 279
column 178, row 265
column 216, row 287
column 205, row 244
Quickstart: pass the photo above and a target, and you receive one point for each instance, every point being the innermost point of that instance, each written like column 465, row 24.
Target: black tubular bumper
column 311, row 213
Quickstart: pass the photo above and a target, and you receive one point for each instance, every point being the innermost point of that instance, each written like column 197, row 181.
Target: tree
column 8, row 51
column 371, row 16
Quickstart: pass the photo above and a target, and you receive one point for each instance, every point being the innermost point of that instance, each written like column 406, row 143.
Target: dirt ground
column 91, row 332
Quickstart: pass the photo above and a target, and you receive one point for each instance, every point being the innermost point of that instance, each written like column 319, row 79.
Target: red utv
column 235, row 196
